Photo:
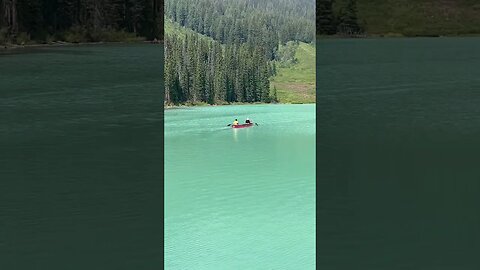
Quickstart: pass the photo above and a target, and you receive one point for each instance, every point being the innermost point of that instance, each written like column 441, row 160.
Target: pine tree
column 219, row 84
column 325, row 18
column 348, row 22
column 265, row 84
column 199, row 77
column 275, row 98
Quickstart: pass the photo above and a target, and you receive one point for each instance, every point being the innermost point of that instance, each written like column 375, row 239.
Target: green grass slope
column 420, row 17
column 173, row 28
column 296, row 84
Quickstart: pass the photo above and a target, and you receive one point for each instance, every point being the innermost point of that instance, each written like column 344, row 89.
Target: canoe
column 243, row 125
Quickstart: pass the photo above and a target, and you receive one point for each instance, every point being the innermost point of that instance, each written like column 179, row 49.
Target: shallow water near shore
column 240, row 199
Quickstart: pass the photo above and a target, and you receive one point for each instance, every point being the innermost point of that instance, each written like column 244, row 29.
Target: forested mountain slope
column 238, row 60
column 201, row 70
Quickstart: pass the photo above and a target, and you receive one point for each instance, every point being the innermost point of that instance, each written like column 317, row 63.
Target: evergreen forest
column 45, row 21
column 398, row 18
column 231, row 52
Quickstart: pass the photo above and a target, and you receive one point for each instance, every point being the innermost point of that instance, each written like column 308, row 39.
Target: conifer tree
column 325, row 18
column 275, row 98
column 348, row 22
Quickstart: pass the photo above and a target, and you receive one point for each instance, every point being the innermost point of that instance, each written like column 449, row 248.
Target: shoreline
column 393, row 35
column 182, row 106
column 6, row 47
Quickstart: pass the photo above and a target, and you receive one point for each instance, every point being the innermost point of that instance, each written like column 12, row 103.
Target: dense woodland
column 398, row 18
column 240, row 21
column 337, row 17
column 200, row 70
column 24, row 21
column 233, row 53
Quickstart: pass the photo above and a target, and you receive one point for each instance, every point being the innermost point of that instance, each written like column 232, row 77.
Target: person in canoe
column 247, row 121
column 235, row 122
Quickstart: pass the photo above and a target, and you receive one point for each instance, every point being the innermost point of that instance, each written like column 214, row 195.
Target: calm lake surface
column 240, row 199
column 81, row 157
column 398, row 153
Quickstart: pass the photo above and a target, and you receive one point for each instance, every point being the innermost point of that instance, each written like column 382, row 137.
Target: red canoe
column 243, row 125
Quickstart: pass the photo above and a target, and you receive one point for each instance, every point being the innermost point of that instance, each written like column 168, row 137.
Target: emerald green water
column 81, row 157
column 398, row 153
column 240, row 199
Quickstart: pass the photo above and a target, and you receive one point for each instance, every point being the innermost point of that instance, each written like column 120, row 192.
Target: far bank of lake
column 169, row 107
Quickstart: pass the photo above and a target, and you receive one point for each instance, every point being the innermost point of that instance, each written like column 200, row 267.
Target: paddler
column 235, row 122
column 247, row 121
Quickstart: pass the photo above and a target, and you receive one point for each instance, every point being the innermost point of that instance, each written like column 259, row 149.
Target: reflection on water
column 235, row 134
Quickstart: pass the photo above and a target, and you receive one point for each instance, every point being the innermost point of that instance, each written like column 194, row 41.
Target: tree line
column 79, row 20
column 201, row 70
column 264, row 23
column 337, row 17
column 236, row 61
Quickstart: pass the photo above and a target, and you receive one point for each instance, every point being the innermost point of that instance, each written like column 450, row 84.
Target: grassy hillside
column 296, row 84
column 419, row 17
column 172, row 28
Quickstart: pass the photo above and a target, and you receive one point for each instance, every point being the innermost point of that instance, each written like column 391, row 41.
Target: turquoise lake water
column 240, row 199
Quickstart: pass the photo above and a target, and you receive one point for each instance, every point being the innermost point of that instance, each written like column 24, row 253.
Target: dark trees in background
column 325, row 17
column 79, row 20
column 337, row 17
column 347, row 19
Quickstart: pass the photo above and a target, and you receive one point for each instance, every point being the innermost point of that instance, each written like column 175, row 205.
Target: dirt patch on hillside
column 302, row 89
